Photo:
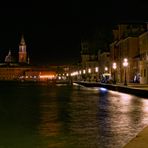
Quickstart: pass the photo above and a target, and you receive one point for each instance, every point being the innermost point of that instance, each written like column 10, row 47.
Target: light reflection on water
column 69, row 117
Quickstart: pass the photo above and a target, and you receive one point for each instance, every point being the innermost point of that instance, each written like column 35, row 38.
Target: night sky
column 53, row 30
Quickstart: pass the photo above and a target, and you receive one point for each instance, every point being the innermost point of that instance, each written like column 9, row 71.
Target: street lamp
column 114, row 67
column 106, row 68
column 97, row 76
column 125, row 64
column 89, row 70
column 96, row 69
column 84, row 71
column 80, row 72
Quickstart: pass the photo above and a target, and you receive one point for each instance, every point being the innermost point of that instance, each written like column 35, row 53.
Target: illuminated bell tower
column 22, row 51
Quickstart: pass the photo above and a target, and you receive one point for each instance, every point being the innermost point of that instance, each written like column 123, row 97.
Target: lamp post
column 89, row 74
column 89, row 70
column 106, row 78
column 96, row 69
column 97, row 76
column 125, row 64
column 114, row 67
column 84, row 74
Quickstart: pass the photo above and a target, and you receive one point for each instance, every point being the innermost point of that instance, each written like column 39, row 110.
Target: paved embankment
column 140, row 141
column 138, row 91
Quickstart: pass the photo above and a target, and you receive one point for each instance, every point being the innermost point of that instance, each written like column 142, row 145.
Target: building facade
column 143, row 63
column 126, row 45
column 104, row 66
column 89, row 62
column 12, row 72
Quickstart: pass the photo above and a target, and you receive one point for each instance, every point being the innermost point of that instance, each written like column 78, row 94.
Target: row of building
column 130, row 41
column 11, row 70
column 23, row 70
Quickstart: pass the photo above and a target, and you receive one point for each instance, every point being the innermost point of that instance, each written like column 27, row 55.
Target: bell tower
column 22, row 51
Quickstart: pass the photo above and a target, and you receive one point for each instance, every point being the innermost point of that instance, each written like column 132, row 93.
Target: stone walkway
column 140, row 141
column 135, row 85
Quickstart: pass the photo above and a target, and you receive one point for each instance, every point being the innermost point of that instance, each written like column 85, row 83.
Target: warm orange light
column 114, row 65
column 47, row 76
column 96, row 69
column 125, row 62
column 106, row 68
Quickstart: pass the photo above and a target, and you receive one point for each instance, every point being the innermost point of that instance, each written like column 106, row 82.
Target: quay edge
column 125, row 89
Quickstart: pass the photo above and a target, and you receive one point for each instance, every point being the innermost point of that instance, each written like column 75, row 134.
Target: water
column 63, row 116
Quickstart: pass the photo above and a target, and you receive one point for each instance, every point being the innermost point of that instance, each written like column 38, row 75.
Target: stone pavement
column 140, row 141
column 135, row 85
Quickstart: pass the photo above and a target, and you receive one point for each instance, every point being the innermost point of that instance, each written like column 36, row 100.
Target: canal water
column 41, row 116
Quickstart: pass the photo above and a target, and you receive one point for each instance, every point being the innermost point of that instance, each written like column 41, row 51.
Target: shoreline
column 141, row 139
column 120, row 88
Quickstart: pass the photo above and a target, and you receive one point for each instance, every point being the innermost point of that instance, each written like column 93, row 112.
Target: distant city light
column 46, row 76
column 125, row 62
column 84, row 71
column 89, row 70
column 80, row 72
column 114, row 65
column 106, row 68
column 74, row 73
column 96, row 69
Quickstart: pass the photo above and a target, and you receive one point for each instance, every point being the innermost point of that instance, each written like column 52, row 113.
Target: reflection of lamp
column 114, row 67
column 125, row 64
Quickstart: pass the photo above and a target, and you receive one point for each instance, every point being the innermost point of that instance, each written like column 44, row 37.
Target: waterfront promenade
column 140, row 90
column 141, row 140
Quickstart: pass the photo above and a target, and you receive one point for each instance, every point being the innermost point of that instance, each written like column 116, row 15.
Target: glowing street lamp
column 106, row 68
column 84, row 71
column 96, row 69
column 114, row 67
column 125, row 64
column 89, row 70
column 80, row 72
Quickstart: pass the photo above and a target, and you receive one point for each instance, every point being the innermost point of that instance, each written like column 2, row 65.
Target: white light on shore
column 96, row 69
column 89, row 70
column 84, row 71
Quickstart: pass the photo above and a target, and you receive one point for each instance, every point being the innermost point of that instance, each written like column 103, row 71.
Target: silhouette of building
column 22, row 70
column 8, row 58
column 10, row 70
column 22, row 51
column 143, row 63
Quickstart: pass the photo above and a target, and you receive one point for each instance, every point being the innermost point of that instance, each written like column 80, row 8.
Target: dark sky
column 53, row 30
